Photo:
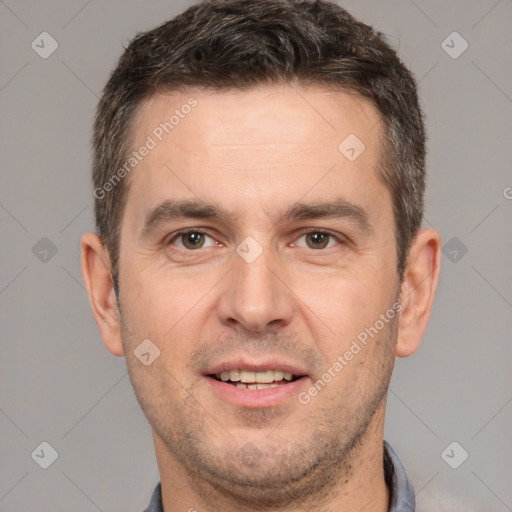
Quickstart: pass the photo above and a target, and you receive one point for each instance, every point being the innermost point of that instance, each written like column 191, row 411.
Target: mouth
column 251, row 384
column 255, row 380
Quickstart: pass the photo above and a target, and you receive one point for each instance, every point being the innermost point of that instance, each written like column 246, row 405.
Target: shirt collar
column 155, row 505
column 401, row 493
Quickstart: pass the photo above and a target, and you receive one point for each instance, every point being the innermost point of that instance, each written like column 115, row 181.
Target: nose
column 256, row 297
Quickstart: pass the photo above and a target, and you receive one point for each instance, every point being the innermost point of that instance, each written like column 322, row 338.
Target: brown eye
column 191, row 240
column 317, row 240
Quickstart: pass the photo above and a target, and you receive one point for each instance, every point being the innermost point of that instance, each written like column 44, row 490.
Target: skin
column 257, row 154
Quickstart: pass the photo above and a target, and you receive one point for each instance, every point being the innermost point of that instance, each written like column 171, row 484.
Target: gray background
column 57, row 382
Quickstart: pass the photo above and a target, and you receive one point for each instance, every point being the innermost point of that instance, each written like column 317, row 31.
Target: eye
column 316, row 240
column 192, row 240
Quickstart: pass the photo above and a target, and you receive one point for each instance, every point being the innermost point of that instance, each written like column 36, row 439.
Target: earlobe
column 418, row 290
column 97, row 277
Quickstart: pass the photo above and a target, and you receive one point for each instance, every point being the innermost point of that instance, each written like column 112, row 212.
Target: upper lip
column 253, row 365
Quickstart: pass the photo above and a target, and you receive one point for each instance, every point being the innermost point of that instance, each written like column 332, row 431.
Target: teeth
column 265, row 386
column 248, row 377
column 265, row 377
column 234, row 376
column 255, row 386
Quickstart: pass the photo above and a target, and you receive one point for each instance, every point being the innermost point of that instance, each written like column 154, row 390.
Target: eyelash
column 306, row 231
column 302, row 233
column 184, row 232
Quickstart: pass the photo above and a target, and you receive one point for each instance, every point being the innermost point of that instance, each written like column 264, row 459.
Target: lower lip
column 254, row 398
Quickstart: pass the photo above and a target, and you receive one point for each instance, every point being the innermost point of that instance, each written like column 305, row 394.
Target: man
column 259, row 172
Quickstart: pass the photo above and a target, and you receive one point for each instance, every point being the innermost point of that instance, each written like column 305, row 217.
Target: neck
column 357, row 486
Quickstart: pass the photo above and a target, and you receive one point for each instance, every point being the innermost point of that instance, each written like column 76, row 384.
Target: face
column 259, row 256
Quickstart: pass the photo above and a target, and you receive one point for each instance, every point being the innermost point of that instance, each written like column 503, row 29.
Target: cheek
column 339, row 307
column 160, row 301
column 342, row 311
column 171, row 310
column 170, row 319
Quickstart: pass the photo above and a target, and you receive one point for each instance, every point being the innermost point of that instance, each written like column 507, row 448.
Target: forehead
column 218, row 116
column 269, row 144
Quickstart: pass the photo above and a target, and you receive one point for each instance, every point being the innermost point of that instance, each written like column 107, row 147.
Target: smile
column 246, row 379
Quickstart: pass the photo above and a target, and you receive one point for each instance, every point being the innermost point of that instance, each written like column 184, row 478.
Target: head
column 237, row 45
column 259, row 174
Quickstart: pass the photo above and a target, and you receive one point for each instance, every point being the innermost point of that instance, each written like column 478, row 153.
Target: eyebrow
column 338, row 209
column 173, row 210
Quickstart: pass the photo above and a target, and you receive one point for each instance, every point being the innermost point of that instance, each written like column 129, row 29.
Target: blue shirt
column 401, row 491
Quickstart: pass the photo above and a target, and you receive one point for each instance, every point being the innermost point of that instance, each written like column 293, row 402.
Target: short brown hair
column 237, row 44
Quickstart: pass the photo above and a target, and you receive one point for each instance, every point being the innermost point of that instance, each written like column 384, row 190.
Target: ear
column 97, row 276
column 418, row 289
